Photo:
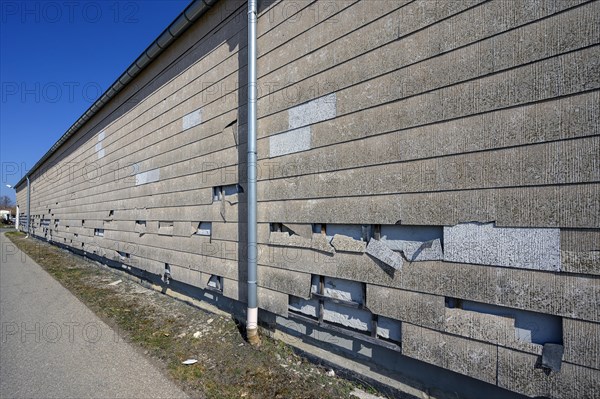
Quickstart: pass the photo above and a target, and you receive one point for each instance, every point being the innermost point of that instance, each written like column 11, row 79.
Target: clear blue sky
column 57, row 58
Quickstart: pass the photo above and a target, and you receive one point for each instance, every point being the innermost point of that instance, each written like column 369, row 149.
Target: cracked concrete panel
column 380, row 251
column 147, row 177
column 192, row 119
column 285, row 239
column 348, row 244
column 290, row 142
column 314, row 111
column 389, row 328
column 418, row 243
column 345, row 290
column 320, row 242
column 485, row 244
column 461, row 355
column 358, row 319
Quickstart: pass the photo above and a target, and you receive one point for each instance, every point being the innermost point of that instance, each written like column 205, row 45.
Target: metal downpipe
column 252, row 311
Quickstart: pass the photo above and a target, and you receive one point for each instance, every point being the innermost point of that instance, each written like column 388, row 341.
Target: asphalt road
column 53, row 346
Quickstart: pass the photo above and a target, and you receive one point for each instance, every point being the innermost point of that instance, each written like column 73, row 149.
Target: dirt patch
column 170, row 332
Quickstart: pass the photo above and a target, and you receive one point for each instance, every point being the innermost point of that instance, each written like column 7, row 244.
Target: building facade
column 428, row 182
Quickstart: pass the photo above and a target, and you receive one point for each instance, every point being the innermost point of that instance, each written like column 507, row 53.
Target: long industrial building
column 428, row 182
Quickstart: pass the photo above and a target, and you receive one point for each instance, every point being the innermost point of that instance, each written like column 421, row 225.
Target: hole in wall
column 215, row 282
column 531, row 327
column 204, row 229
column 220, row 192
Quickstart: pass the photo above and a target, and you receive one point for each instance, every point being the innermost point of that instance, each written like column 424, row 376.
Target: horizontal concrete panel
column 272, row 301
column 412, row 307
column 317, row 110
column 580, row 240
column 486, row 244
column 491, row 328
column 518, row 372
column 575, row 116
column 580, row 251
column 348, row 20
column 539, row 40
column 278, row 18
column 581, row 262
column 553, row 163
column 582, row 343
column 192, row 119
column 549, row 293
column 290, row 142
column 464, row 356
column 396, row 152
column 528, row 83
column 564, row 206
column 407, row 19
column 285, row 281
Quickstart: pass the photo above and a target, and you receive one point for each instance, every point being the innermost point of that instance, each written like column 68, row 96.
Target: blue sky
column 56, row 59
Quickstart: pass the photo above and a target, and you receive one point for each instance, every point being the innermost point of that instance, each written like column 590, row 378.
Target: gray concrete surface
column 53, row 346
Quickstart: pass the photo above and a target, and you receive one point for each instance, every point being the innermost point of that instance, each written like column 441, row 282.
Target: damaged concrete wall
column 415, row 187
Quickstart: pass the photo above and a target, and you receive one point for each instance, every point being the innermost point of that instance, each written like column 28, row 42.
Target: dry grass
column 163, row 328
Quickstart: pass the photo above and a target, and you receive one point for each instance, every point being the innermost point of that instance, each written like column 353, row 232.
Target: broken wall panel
column 415, row 242
column 380, row 120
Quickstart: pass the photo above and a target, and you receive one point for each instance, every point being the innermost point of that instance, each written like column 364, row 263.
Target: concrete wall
column 429, row 178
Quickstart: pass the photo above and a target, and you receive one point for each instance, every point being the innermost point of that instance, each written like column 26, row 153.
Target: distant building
column 429, row 195
column 5, row 215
